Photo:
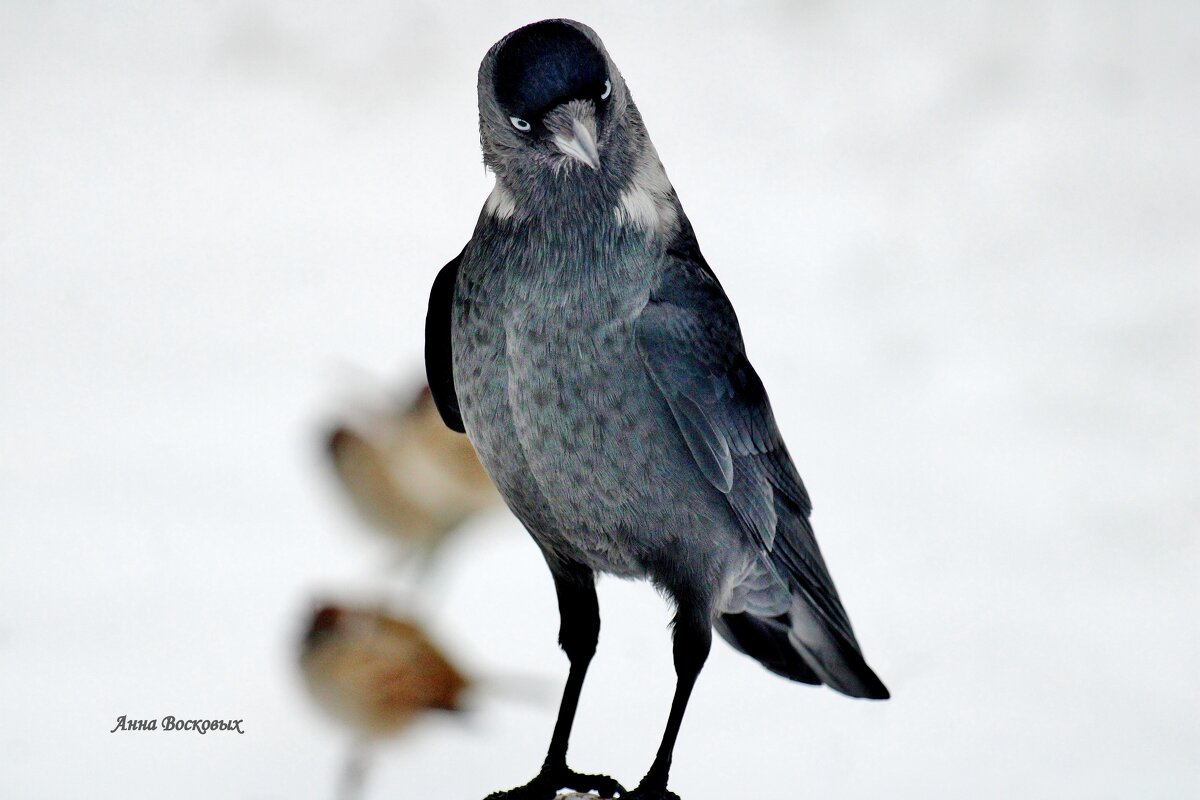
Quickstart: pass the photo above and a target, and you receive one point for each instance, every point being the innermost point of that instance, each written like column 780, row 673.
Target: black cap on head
column 546, row 64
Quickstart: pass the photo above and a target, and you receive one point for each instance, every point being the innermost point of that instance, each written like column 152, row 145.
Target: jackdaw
column 587, row 349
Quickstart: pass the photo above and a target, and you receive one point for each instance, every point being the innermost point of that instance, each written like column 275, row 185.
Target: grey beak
column 580, row 143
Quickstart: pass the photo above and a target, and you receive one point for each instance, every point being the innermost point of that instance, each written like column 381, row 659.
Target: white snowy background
column 964, row 244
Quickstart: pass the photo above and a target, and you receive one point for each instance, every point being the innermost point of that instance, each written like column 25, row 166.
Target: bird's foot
column 650, row 794
column 549, row 781
column 651, row 789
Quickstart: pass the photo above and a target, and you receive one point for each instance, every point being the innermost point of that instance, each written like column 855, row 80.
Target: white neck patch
column 647, row 202
column 500, row 203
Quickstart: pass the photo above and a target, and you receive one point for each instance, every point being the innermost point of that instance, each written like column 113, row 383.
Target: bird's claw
column 548, row 783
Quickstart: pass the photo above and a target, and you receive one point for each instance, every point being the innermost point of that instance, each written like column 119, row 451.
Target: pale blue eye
column 519, row 123
column 607, row 90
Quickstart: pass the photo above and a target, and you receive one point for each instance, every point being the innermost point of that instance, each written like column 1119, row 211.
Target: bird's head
column 553, row 106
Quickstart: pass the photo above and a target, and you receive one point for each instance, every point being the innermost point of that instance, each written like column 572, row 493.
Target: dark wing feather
column 690, row 341
column 439, row 358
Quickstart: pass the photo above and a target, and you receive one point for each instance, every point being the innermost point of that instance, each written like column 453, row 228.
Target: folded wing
column 691, row 344
column 439, row 357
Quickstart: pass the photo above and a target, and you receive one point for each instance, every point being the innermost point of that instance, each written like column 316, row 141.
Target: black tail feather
column 765, row 639
column 831, row 653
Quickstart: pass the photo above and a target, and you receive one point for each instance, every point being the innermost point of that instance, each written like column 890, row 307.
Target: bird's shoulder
column 686, row 303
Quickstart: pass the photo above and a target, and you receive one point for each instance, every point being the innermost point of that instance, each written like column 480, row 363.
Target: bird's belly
column 589, row 421
column 587, row 415
column 577, row 439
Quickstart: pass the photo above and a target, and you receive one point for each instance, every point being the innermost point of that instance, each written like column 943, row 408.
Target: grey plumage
column 589, row 352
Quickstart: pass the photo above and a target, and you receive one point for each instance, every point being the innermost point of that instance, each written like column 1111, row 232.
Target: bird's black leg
column 693, row 639
column 579, row 630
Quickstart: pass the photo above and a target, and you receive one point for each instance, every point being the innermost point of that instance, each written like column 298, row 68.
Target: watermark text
column 169, row 723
